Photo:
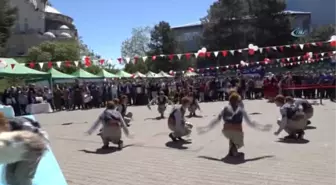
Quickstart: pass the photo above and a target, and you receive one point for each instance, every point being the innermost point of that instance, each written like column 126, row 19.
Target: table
column 38, row 108
column 48, row 171
column 8, row 111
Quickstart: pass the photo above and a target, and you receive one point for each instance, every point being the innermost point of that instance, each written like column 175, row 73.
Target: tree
column 56, row 51
column 7, row 20
column 136, row 45
column 162, row 41
column 321, row 33
column 272, row 26
column 224, row 25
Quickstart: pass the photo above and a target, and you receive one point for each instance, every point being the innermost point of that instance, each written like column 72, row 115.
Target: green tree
column 271, row 25
column 56, row 51
column 163, row 42
column 7, row 20
column 136, row 45
column 320, row 33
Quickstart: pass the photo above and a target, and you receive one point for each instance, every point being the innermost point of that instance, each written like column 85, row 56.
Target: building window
column 26, row 26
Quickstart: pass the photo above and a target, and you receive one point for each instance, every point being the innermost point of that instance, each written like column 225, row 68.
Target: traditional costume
column 307, row 108
column 162, row 101
column 21, row 148
column 127, row 116
column 233, row 115
column 293, row 120
column 112, row 124
column 178, row 125
column 193, row 106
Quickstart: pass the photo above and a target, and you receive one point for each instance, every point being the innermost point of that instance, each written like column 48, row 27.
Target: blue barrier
column 48, row 171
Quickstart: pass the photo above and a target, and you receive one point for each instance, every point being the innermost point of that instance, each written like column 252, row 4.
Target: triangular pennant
column 153, row 57
column 278, row 60
column 224, row 53
column 120, row 60
column 274, row 48
column 41, row 64
column 299, row 57
column 298, row 62
column 288, row 59
column 179, row 56
column 144, row 58
column 288, row 46
column 240, row 50
column 196, row 55
column 313, row 44
column 334, row 52
column 31, row 64
column 58, row 63
column 215, row 53
column 128, row 59
column 101, row 61
column 232, row 52
column 162, row 55
column 322, row 54
column 76, row 63
column 187, row 55
column 12, row 66
column 261, row 50
column 301, row 46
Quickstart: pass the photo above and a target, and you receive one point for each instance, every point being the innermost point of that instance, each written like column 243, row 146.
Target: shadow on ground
column 180, row 144
column 310, row 128
column 156, row 118
column 240, row 159
column 293, row 141
column 104, row 151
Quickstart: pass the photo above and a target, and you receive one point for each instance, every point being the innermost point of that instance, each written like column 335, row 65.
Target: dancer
column 162, row 100
column 112, row 124
column 194, row 105
column 122, row 108
column 293, row 120
column 22, row 145
column 233, row 116
column 307, row 108
column 177, row 123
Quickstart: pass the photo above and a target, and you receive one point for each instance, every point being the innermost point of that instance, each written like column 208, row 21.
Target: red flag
column 201, row 54
column 171, row 56
column 87, row 61
column 224, row 53
column 307, row 45
column 294, row 46
column 187, row 55
column 119, row 60
column 208, row 54
column 50, row 64
column 101, row 61
column 319, row 44
column 251, row 51
column 333, row 43
column 12, row 65
column 136, row 59
column 281, row 48
column 31, row 64
column 153, row 57
column 283, row 60
column 67, row 63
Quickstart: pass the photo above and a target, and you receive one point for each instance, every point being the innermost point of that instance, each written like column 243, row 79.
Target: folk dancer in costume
column 307, row 108
column 22, row 145
column 122, row 108
column 194, row 105
column 232, row 91
column 233, row 116
column 177, row 123
column 162, row 101
column 293, row 120
column 112, row 126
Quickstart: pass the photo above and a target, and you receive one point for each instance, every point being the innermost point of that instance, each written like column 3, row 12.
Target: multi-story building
column 37, row 22
column 189, row 36
column 322, row 11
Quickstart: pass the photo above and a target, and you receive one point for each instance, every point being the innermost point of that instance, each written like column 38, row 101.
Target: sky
column 105, row 24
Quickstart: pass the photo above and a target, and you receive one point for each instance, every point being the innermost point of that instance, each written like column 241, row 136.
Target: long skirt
column 111, row 133
column 184, row 130
column 235, row 136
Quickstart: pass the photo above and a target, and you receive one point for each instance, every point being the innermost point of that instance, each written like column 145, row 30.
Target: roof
column 50, row 9
column 199, row 22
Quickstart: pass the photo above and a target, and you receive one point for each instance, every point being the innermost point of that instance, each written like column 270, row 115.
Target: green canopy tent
column 139, row 75
column 123, row 74
column 162, row 74
column 151, row 74
column 15, row 69
column 103, row 73
column 82, row 74
column 59, row 75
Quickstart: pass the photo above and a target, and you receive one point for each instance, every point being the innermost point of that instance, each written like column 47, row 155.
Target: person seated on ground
column 293, row 120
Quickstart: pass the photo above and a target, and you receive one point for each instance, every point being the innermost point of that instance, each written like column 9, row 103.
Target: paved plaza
column 150, row 158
